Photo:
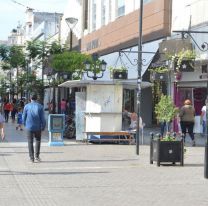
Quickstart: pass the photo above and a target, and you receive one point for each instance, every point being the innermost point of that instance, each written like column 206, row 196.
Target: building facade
column 113, row 25
column 192, row 16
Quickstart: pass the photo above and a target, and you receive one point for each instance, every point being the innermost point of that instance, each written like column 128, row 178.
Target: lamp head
column 71, row 22
column 103, row 65
column 87, row 65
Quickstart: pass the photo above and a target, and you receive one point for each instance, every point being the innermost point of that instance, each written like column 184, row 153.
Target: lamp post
column 95, row 67
column 139, row 76
column 71, row 22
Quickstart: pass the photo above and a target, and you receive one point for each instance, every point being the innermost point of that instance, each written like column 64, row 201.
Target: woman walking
column 187, row 119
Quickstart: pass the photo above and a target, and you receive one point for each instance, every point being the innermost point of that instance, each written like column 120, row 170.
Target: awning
column 130, row 83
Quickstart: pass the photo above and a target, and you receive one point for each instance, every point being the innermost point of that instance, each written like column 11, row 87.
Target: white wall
column 186, row 12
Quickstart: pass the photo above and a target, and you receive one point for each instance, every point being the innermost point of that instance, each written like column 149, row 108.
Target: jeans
column 164, row 126
column 37, row 136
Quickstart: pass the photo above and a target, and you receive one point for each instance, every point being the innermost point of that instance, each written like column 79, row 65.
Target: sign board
column 56, row 124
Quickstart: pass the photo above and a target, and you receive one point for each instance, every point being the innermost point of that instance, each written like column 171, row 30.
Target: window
column 103, row 12
column 93, row 15
column 121, row 7
column 86, row 15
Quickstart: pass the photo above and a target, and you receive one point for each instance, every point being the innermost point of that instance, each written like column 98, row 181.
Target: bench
column 129, row 136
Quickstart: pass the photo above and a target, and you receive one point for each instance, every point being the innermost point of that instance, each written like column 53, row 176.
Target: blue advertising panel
column 56, row 128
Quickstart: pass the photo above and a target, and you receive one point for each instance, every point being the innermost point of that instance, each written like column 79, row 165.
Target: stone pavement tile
column 103, row 175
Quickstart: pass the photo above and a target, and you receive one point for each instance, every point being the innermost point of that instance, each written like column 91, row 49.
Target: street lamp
column 139, row 76
column 95, row 67
column 71, row 22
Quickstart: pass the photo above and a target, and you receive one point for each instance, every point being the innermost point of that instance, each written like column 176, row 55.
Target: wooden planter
column 116, row 74
column 166, row 151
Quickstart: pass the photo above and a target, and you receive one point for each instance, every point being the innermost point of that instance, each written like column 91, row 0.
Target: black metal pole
column 70, row 39
column 139, row 77
column 206, row 144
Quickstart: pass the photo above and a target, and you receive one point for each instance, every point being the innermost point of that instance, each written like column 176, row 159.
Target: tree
column 70, row 62
column 165, row 109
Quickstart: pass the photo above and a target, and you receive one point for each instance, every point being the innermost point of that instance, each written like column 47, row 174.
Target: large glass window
column 93, row 15
column 121, row 7
column 103, row 12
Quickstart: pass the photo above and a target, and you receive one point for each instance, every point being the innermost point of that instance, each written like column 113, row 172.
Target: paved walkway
column 103, row 175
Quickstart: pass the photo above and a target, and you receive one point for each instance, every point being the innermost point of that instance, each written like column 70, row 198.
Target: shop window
column 204, row 68
column 128, row 100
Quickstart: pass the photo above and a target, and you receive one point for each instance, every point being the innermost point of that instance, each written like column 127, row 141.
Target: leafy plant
column 182, row 55
column 119, row 68
column 165, row 109
column 161, row 69
column 71, row 62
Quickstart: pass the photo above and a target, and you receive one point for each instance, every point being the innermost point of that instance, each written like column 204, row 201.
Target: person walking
column 34, row 122
column 2, row 120
column 7, row 109
column 204, row 118
column 187, row 119
column 63, row 105
column 19, row 119
column 14, row 109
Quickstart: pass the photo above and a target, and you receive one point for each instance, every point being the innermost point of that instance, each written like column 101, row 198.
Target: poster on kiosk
column 56, row 129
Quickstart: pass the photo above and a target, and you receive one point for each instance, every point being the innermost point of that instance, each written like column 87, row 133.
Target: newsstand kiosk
column 56, row 129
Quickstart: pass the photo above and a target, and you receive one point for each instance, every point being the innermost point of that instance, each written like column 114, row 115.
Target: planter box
column 119, row 74
column 166, row 151
column 159, row 76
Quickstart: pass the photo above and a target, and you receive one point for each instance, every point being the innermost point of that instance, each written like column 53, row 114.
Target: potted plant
column 159, row 73
column 183, row 61
column 118, row 72
column 166, row 148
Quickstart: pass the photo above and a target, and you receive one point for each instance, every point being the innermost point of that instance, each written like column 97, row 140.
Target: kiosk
column 99, row 105
column 56, row 124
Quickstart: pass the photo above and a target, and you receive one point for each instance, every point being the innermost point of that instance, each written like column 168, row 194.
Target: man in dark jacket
column 34, row 122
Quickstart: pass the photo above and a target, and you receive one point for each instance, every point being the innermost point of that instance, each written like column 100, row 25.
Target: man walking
column 34, row 122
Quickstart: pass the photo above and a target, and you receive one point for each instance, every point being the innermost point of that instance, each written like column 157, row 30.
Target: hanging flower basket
column 118, row 73
column 159, row 74
column 183, row 61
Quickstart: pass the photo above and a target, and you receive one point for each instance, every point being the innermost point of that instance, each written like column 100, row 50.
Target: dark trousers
column 6, row 115
column 30, row 136
column 187, row 126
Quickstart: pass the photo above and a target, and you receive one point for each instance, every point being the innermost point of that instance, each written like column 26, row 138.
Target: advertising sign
column 56, row 124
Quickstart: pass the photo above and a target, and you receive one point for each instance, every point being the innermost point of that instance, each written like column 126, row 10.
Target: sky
column 12, row 13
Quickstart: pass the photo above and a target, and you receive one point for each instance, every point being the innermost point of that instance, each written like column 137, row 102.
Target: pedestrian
column 34, row 122
column 2, row 120
column 187, row 119
column 14, row 109
column 19, row 119
column 63, row 105
column 7, row 108
column 203, row 118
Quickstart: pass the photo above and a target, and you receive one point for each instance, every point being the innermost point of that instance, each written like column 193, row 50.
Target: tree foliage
column 71, row 62
column 165, row 109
